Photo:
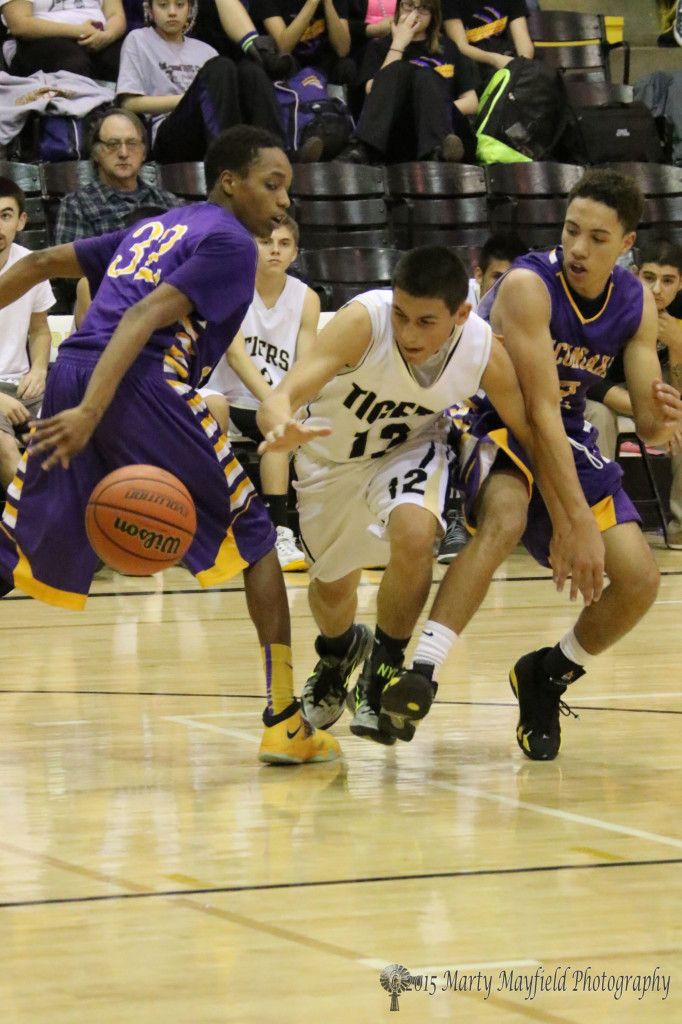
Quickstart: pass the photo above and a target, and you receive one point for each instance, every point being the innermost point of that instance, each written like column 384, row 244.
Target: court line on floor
column 240, row 590
column 553, row 812
column 139, row 892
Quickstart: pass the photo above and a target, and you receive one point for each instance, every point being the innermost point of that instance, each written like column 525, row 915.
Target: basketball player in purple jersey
column 170, row 293
column 563, row 316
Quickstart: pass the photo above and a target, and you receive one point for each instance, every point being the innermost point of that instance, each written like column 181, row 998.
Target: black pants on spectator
column 222, row 94
column 59, row 53
column 408, row 113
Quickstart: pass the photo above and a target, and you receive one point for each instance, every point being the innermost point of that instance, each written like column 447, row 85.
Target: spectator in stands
column 490, row 34
column 315, row 31
column 659, row 266
column 497, row 255
column 368, row 19
column 118, row 150
column 81, row 36
column 24, row 339
column 227, row 25
column 419, row 91
column 190, row 92
column 280, row 325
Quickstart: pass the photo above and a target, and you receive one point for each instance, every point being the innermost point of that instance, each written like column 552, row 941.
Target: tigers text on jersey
column 378, row 404
column 270, row 336
column 584, row 348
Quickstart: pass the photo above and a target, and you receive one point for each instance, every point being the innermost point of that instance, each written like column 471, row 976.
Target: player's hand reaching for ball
column 288, row 436
column 62, row 436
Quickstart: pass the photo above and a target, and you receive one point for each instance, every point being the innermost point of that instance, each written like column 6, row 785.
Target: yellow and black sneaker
column 289, row 739
column 540, row 706
column 405, row 700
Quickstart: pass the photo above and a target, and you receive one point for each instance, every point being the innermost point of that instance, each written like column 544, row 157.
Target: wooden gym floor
column 152, row 871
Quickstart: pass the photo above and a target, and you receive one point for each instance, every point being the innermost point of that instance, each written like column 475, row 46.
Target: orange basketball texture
column 140, row 519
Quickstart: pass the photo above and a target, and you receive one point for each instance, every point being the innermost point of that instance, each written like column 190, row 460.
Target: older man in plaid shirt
column 118, row 151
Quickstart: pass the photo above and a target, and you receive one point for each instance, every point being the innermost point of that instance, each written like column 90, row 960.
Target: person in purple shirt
column 563, row 316
column 169, row 295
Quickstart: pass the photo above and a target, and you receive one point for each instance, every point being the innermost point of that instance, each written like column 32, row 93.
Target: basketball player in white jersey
column 372, row 490
column 280, row 325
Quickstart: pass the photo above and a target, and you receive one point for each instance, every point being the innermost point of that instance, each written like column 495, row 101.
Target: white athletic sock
column 574, row 652
column 434, row 645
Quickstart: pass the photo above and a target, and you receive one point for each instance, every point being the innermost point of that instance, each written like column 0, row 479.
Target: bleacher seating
column 576, row 44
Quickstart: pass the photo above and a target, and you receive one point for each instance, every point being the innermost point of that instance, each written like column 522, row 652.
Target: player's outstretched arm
column 245, row 368
column 521, row 314
column 30, row 270
column 341, row 343
column 67, row 433
column 656, row 406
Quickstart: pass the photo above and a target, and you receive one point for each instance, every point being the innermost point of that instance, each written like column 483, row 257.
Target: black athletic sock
column 387, row 655
column 335, row 645
column 276, row 504
column 423, row 668
column 561, row 669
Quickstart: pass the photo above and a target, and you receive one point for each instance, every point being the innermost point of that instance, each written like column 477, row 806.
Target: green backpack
column 522, row 114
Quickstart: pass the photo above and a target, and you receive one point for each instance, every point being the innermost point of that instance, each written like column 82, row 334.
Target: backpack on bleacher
column 522, row 113
column 307, row 110
column 612, row 133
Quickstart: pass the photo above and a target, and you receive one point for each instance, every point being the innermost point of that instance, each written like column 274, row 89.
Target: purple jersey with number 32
column 203, row 251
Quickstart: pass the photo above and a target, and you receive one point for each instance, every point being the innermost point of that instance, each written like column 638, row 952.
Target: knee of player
column 412, row 536
column 502, row 524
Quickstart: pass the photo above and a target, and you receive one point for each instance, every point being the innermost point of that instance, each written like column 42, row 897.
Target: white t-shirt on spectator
column 151, row 66
column 73, row 12
column 15, row 321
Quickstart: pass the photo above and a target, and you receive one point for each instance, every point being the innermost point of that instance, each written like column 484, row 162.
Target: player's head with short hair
column 432, row 271
column 236, row 149
column 248, row 173
column 659, row 267
column 615, row 190
column 430, row 286
column 497, row 255
column 10, row 190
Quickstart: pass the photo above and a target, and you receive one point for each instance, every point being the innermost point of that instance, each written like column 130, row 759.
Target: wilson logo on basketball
column 149, row 539
column 157, row 499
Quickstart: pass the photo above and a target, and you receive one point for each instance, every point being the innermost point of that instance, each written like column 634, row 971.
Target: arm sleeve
column 219, row 276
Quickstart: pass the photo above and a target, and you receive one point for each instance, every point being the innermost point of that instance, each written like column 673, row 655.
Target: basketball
column 140, row 519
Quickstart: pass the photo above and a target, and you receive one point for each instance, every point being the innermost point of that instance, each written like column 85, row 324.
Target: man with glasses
column 118, row 150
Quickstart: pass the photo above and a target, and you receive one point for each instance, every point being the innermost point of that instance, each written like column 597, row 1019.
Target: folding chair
column 626, row 432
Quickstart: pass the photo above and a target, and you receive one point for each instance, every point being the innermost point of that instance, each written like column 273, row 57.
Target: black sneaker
column 405, row 700
column 455, row 537
column 324, row 693
column 540, row 705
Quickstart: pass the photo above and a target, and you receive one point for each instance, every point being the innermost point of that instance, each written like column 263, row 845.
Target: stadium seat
column 530, row 199
column 437, row 203
column 576, row 44
column 337, row 275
